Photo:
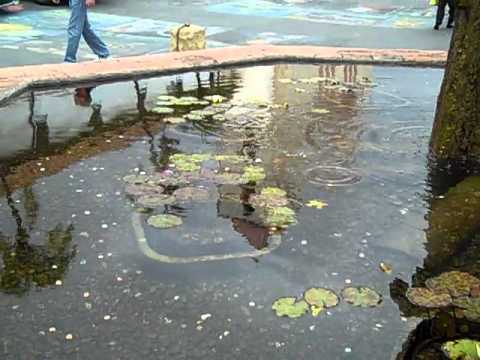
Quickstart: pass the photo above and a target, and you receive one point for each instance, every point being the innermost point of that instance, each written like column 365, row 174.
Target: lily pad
column 280, row 217
column 254, row 173
column 164, row 221
column 427, row 298
column 361, row 296
column 219, row 117
column 153, row 201
column 273, row 191
column 216, row 99
column 143, row 189
column 470, row 307
column 455, row 283
column 464, row 349
column 166, row 98
column 317, row 204
column 192, row 194
column 321, row 297
column 174, row 120
column 136, row 179
column 290, row 307
column 194, row 117
column 269, row 197
column 235, row 159
column 163, row 110
column 229, row 179
column 164, row 103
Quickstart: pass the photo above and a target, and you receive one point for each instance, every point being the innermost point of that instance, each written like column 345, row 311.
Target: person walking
column 78, row 26
column 442, row 4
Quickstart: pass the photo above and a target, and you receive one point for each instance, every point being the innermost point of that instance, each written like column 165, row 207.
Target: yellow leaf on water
column 318, row 204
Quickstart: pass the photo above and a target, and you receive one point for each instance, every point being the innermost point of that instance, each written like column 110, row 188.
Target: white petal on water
column 87, row 212
column 58, row 283
column 251, row 304
column 52, row 329
column 304, row 242
column 69, row 337
column 205, row 317
column 86, row 294
column 348, row 350
column 107, row 317
column 104, row 226
column 348, row 281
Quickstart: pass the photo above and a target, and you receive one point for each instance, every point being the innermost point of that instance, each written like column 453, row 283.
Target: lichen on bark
column 456, row 130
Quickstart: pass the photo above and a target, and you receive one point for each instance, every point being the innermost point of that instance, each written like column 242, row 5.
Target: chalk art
column 44, row 32
column 396, row 17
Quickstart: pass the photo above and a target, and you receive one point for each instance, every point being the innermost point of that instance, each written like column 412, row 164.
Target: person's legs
column 451, row 13
column 75, row 28
column 440, row 13
column 95, row 43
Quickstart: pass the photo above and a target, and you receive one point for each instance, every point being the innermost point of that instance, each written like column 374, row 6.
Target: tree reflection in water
column 452, row 243
column 25, row 264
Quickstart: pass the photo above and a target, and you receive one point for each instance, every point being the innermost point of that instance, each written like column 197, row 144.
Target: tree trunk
column 456, row 130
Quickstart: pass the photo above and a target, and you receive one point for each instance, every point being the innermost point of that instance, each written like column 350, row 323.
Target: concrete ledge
column 17, row 80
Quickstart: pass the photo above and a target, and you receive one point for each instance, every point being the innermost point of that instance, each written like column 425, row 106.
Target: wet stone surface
column 345, row 155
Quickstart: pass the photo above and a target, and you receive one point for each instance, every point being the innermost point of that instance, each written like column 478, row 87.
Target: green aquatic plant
column 191, row 194
column 280, row 217
column 290, row 307
column 254, row 173
column 463, row 349
column 164, row 221
column 215, row 99
column 273, row 191
column 234, row 159
column 269, row 197
column 361, row 296
column 455, row 283
column 155, row 200
column 321, row 297
column 427, row 298
column 470, row 307
column 163, row 110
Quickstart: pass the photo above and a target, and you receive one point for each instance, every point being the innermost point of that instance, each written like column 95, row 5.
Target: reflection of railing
column 274, row 243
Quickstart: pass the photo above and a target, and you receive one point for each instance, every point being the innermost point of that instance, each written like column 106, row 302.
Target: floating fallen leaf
column 191, row 194
column 164, row 221
column 386, row 267
column 290, row 307
column 321, row 111
column 427, row 298
column 463, row 349
column 361, row 296
column 318, row 204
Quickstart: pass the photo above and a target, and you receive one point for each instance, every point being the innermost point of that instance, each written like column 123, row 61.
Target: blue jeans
column 78, row 26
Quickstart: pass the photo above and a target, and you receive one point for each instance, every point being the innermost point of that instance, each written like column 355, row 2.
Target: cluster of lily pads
column 454, row 289
column 317, row 300
column 329, row 83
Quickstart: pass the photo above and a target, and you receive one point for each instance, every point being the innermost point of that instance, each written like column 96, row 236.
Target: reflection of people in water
column 83, row 97
column 256, row 235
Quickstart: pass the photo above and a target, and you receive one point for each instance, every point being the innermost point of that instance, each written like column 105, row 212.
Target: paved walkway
column 17, row 80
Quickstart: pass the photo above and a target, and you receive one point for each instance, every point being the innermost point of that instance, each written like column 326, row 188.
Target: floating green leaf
column 194, row 117
column 361, row 296
column 164, row 103
column 175, row 120
column 273, row 191
column 470, row 307
column 427, row 298
column 254, row 173
column 143, row 189
column 166, row 98
column 163, row 110
column 192, row 194
column 321, row 297
column 164, row 221
column 290, row 307
column 464, row 349
column 280, row 217
column 216, row 99
column 456, row 283
column 153, row 201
